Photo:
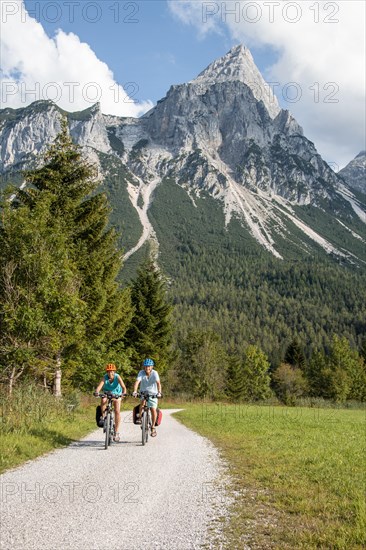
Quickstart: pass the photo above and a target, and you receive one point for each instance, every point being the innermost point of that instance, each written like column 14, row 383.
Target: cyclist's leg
column 153, row 416
column 103, row 405
column 117, row 413
column 153, row 403
column 142, row 403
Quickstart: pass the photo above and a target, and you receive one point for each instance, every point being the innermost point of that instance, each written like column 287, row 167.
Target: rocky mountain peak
column 361, row 154
column 221, row 135
column 355, row 172
column 238, row 65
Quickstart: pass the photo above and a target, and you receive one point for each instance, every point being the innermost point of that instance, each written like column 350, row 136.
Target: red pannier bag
column 159, row 417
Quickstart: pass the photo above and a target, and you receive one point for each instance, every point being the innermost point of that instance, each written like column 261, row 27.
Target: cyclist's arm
column 137, row 382
column 100, row 385
column 159, row 386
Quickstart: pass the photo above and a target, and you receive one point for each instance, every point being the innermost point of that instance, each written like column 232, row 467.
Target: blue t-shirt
column 148, row 383
column 113, row 386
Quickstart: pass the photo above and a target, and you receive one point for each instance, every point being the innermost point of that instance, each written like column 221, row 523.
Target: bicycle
column 146, row 422
column 109, row 427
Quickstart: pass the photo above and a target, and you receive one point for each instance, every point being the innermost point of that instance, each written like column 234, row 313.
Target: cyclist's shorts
column 152, row 402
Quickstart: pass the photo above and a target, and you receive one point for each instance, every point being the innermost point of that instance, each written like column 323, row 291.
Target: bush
column 290, row 384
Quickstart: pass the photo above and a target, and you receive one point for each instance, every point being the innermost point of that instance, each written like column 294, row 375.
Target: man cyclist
column 150, row 382
column 112, row 382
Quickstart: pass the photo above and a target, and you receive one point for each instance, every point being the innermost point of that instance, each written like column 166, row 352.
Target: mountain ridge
column 217, row 134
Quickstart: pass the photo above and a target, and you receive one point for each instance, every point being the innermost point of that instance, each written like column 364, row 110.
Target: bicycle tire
column 107, row 430
column 147, row 424
column 143, row 427
column 111, row 431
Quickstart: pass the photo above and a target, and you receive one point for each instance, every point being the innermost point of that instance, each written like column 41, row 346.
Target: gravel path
column 166, row 495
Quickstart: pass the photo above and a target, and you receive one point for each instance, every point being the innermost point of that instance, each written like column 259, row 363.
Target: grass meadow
column 298, row 474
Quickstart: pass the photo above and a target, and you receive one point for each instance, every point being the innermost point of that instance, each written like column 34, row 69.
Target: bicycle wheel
column 111, row 431
column 148, row 423
column 143, row 426
column 107, row 430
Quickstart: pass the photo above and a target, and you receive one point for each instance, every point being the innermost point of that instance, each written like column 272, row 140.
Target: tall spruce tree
column 41, row 313
column 235, row 385
column 83, row 216
column 257, row 379
column 150, row 332
column 295, row 355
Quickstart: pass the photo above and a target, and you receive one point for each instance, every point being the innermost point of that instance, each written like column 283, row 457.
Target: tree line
column 205, row 368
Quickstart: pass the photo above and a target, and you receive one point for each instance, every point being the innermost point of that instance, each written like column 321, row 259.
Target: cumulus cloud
column 62, row 68
column 319, row 72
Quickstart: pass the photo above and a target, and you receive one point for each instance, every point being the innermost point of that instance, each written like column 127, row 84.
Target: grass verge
column 33, row 423
column 298, row 473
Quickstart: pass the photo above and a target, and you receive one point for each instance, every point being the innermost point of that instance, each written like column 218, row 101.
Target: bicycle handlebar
column 147, row 394
column 111, row 395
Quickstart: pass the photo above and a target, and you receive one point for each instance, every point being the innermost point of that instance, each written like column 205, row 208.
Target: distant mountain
column 222, row 134
column 260, row 239
column 355, row 172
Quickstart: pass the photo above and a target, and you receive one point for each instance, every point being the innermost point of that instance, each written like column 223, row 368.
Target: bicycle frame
column 109, row 427
column 146, row 422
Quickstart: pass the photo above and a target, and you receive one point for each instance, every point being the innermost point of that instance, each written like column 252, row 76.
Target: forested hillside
column 221, row 280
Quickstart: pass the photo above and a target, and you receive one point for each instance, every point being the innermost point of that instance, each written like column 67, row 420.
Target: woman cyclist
column 150, row 382
column 112, row 382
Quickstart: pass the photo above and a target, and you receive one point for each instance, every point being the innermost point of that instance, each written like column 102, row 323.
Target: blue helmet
column 148, row 362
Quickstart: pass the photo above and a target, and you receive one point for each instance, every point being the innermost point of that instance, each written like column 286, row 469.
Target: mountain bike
column 109, row 427
column 146, row 422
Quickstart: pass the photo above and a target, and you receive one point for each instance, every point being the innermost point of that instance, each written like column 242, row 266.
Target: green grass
column 298, row 473
column 34, row 423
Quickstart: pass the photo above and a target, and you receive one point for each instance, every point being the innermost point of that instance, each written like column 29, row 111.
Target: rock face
column 222, row 133
column 26, row 132
column 355, row 172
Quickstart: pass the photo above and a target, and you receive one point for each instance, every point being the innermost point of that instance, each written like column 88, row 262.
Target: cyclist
column 112, row 381
column 150, row 382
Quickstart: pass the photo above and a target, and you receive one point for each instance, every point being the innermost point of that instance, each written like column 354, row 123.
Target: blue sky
column 317, row 45
column 141, row 41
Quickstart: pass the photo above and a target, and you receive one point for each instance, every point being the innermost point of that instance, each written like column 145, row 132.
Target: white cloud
column 61, row 68
column 320, row 47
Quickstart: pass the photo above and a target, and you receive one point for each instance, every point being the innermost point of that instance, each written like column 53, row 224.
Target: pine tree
column 151, row 329
column 257, row 379
column 41, row 313
column 295, row 356
column 83, row 216
column 235, row 384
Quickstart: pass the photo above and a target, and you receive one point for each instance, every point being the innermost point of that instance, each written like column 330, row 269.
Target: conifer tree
column 257, row 379
column 150, row 331
column 235, row 383
column 41, row 313
column 83, row 215
column 295, row 356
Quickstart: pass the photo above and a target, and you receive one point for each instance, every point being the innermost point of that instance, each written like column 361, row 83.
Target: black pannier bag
column 136, row 415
